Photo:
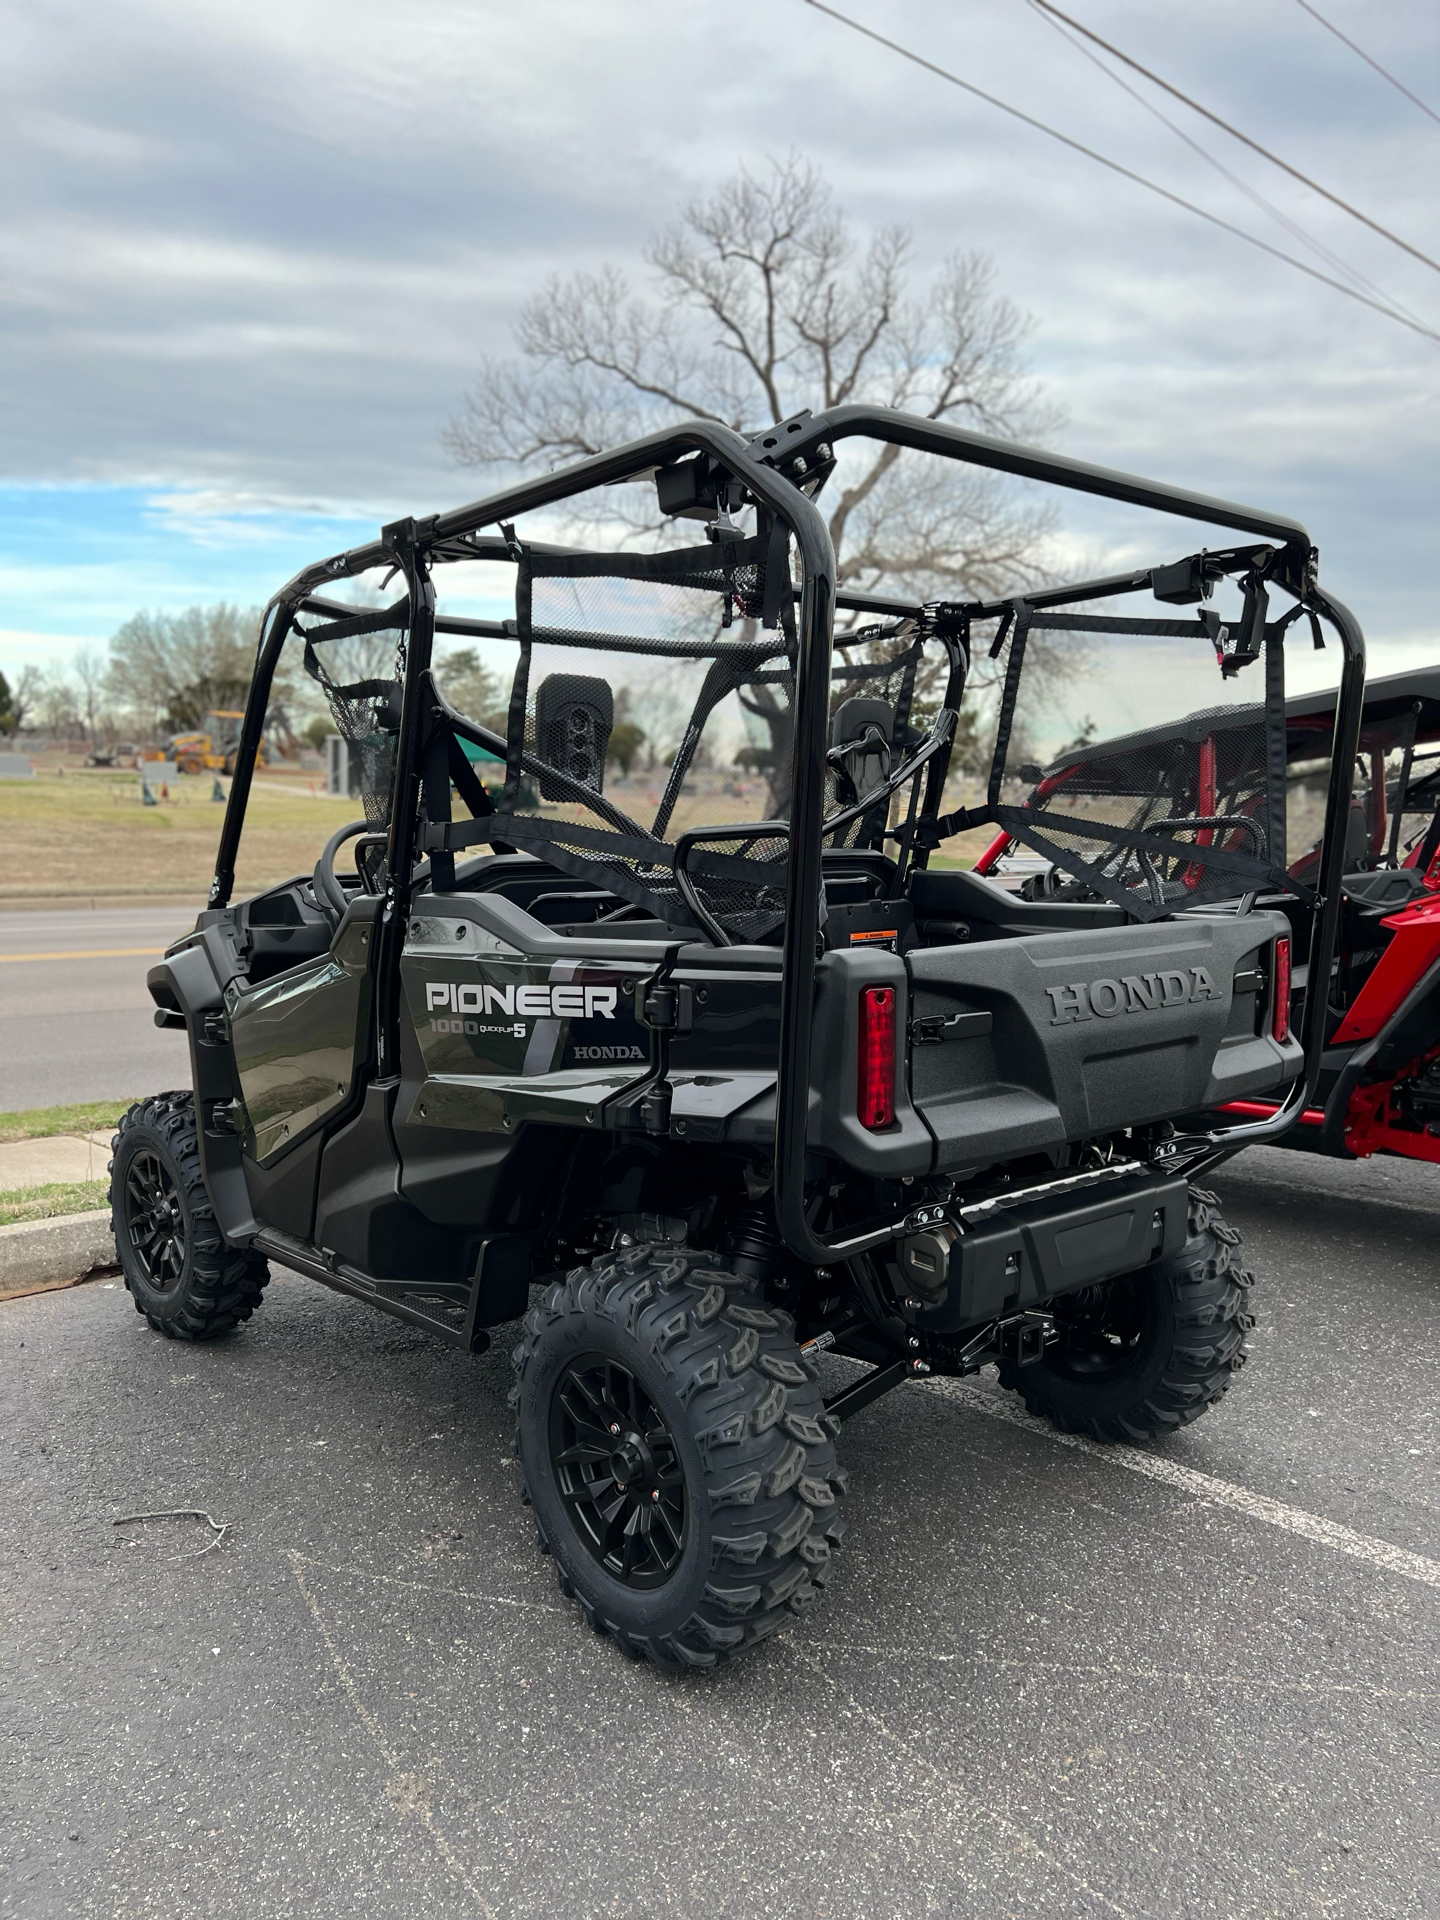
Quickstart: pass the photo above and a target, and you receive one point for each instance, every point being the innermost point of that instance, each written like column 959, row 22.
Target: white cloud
column 253, row 251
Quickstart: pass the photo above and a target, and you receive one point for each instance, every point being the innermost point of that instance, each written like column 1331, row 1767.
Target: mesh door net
column 1189, row 810
column 359, row 664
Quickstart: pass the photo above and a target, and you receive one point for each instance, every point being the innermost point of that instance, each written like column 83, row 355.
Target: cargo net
column 649, row 737
column 359, row 664
column 1186, row 811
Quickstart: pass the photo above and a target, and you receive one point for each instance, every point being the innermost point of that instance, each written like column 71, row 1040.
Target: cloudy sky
column 252, row 252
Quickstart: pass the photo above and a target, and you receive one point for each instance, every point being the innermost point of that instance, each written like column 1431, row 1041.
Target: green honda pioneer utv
column 692, row 1061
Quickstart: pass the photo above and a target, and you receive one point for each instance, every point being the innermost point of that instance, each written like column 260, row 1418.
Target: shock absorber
column 756, row 1245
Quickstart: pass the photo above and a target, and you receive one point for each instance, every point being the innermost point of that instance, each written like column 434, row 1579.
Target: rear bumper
column 1031, row 1253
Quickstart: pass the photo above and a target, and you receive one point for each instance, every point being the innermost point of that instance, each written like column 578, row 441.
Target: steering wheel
column 328, row 890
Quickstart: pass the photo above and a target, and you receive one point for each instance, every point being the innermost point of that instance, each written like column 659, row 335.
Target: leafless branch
column 761, row 304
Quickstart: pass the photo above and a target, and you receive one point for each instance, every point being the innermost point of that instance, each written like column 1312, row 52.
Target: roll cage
column 702, row 465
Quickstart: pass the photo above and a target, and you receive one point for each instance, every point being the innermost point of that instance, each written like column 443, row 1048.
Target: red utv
column 1379, row 1084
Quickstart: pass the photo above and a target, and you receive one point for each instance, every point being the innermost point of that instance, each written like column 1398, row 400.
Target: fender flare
column 186, row 987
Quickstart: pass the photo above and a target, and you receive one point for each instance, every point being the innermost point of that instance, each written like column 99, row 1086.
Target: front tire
column 182, row 1276
column 1144, row 1354
column 677, row 1455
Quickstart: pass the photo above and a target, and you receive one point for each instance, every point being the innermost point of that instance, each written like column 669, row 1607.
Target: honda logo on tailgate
column 1134, row 993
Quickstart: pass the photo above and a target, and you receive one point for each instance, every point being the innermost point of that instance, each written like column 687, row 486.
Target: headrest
column 573, row 717
column 867, row 727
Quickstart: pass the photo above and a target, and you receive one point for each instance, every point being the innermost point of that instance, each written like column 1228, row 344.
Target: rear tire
column 1146, row 1353
column 712, row 1518
column 182, row 1276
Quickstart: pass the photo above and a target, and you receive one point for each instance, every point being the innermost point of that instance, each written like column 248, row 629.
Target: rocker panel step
column 440, row 1307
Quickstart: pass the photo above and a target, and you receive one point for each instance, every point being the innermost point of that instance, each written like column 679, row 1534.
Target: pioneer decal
column 537, row 1003
column 1133, row 993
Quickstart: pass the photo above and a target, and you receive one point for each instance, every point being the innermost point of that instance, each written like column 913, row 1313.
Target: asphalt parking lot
column 1047, row 1683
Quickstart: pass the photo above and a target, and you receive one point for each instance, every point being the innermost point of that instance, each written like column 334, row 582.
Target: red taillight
column 1280, row 1013
column 876, row 1095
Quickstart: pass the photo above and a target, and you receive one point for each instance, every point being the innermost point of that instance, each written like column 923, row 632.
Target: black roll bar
column 800, row 438
column 760, row 466
column 1201, row 1150
column 275, row 624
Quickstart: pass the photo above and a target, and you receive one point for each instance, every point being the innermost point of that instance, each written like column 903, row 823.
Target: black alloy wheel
column 179, row 1270
column 677, row 1454
column 154, row 1221
column 618, row 1472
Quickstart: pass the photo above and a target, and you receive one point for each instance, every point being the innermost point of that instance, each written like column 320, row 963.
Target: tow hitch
column 1024, row 1337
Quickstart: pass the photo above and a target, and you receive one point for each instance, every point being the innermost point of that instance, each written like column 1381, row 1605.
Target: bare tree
column 90, row 669
column 57, row 706
column 765, row 303
column 173, row 669
column 23, row 696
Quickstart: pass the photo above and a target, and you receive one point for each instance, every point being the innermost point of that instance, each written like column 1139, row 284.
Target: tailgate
column 1092, row 1032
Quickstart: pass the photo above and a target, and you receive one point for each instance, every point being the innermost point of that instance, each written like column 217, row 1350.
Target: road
column 1047, row 1682
column 77, row 1021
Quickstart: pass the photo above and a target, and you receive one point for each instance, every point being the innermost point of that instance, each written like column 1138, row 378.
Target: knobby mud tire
column 218, row 1286
column 1194, row 1342
column 745, row 1411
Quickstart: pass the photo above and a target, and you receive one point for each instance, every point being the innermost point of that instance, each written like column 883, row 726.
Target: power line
column 1384, row 73
column 1114, row 166
column 1244, row 138
column 1292, row 227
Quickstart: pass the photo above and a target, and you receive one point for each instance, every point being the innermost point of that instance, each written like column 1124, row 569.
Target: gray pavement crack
column 406, row 1790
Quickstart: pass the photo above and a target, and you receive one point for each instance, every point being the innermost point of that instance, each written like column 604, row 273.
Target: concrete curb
column 36, row 1254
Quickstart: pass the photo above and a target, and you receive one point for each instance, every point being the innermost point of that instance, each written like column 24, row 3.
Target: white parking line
column 1205, row 1486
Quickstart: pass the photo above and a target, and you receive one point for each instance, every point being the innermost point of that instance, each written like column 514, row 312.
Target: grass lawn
column 67, row 1196
column 86, row 832
column 43, row 1123
column 48, row 1203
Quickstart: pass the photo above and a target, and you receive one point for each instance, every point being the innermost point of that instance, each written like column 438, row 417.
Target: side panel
column 362, row 1218
column 506, row 1052
column 503, row 1036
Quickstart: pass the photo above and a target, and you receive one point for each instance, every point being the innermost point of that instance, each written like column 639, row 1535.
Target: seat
column 862, row 736
column 951, row 894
